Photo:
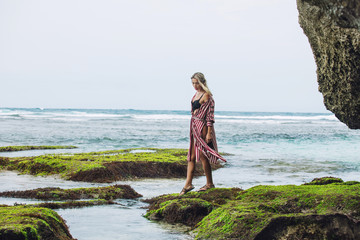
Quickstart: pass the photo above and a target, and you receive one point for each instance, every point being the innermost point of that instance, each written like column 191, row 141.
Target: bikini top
column 196, row 104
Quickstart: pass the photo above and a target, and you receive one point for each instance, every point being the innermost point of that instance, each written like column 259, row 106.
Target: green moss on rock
column 190, row 208
column 25, row 148
column 324, row 181
column 274, row 212
column 106, row 166
column 25, row 222
column 73, row 204
column 108, row 193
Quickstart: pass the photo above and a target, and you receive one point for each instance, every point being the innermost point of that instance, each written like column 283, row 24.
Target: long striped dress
column 204, row 116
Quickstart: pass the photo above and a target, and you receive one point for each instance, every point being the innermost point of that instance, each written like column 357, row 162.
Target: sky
column 140, row 54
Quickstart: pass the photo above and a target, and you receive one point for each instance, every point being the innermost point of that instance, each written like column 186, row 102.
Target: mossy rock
column 26, row 148
column 107, row 193
column 71, row 204
column 106, row 166
column 324, row 181
column 30, row 223
column 190, row 208
column 187, row 211
column 330, row 211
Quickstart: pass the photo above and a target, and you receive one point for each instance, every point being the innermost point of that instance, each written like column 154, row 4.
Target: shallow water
column 267, row 148
column 125, row 221
column 122, row 221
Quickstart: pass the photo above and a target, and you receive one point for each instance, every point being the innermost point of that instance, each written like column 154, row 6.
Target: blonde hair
column 202, row 81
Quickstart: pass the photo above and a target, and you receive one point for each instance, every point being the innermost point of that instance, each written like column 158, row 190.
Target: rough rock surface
column 333, row 30
column 326, row 208
column 30, row 223
column 331, row 226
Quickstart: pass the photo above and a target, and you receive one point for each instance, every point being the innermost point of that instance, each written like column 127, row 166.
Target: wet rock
column 333, row 30
column 324, row 181
column 71, row 204
column 26, row 148
column 326, row 209
column 25, row 222
column 186, row 211
column 332, row 226
column 107, row 166
column 110, row 192
column 190, row 208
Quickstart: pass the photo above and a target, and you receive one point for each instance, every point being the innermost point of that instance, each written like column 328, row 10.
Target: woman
column 203, row 145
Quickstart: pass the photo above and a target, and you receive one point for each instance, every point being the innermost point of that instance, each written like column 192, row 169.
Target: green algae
column 324, row 181
column 104, row 166
column 248, row 213
column 25, row 148
column 108, row 193
column 38, row 221
column 190, row 208
column 256, row 207
column 27, row 222
column 180, row 204
column 73, row 204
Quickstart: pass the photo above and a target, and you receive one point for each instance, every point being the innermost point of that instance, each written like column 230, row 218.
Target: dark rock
column 328, row 208
column 110, row 192
column 118, row 171
column 334, row 226
column 333, row 30
column 324, row 181
column 190, row 208
column 30, row 223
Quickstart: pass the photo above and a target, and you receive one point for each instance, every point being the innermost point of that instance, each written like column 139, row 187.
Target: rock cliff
column 333, row 30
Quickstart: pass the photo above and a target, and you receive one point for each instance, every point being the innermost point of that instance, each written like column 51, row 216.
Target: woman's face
column 196, row 84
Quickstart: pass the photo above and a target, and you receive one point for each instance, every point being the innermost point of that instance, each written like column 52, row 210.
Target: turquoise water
column 267, row 148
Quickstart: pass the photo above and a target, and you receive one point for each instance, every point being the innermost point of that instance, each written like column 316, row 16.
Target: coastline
column 269, row 149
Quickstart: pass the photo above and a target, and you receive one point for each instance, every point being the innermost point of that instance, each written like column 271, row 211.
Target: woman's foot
column 185, row 190
column 206, row 187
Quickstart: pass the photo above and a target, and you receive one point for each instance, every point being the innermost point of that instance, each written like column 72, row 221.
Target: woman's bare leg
column 207, row 169
column 205, row 162
column 190, row 167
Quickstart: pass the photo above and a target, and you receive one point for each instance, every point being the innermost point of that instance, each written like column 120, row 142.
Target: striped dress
column 204, row 116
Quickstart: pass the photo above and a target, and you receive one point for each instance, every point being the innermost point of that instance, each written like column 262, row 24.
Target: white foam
column 164, row 117
column 279, row 117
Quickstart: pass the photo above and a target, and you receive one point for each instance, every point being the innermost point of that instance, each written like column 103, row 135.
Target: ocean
column 265, row 147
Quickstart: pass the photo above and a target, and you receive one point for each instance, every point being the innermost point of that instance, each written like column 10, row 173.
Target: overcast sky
column 141, row 54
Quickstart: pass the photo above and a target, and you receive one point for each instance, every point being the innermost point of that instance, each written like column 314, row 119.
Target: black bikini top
column 196, row 104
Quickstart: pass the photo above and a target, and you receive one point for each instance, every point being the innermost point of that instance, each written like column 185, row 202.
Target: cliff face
column 333, row 30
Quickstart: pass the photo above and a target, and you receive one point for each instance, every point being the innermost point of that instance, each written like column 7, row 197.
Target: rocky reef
column 27, row 222
column 333, row 30
column 106, row 166
column 26, row 148
column 108, row 193
column 326, row 208
column 38, row 221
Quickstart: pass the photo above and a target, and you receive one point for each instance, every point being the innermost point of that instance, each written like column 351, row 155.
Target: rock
column 107, row 166
column 27, row 148
column 332, row 226
column 108, row 193
column 25, row 222
column 333, row 30
column 324, row 181
column 190, row 208
column 326, row 209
